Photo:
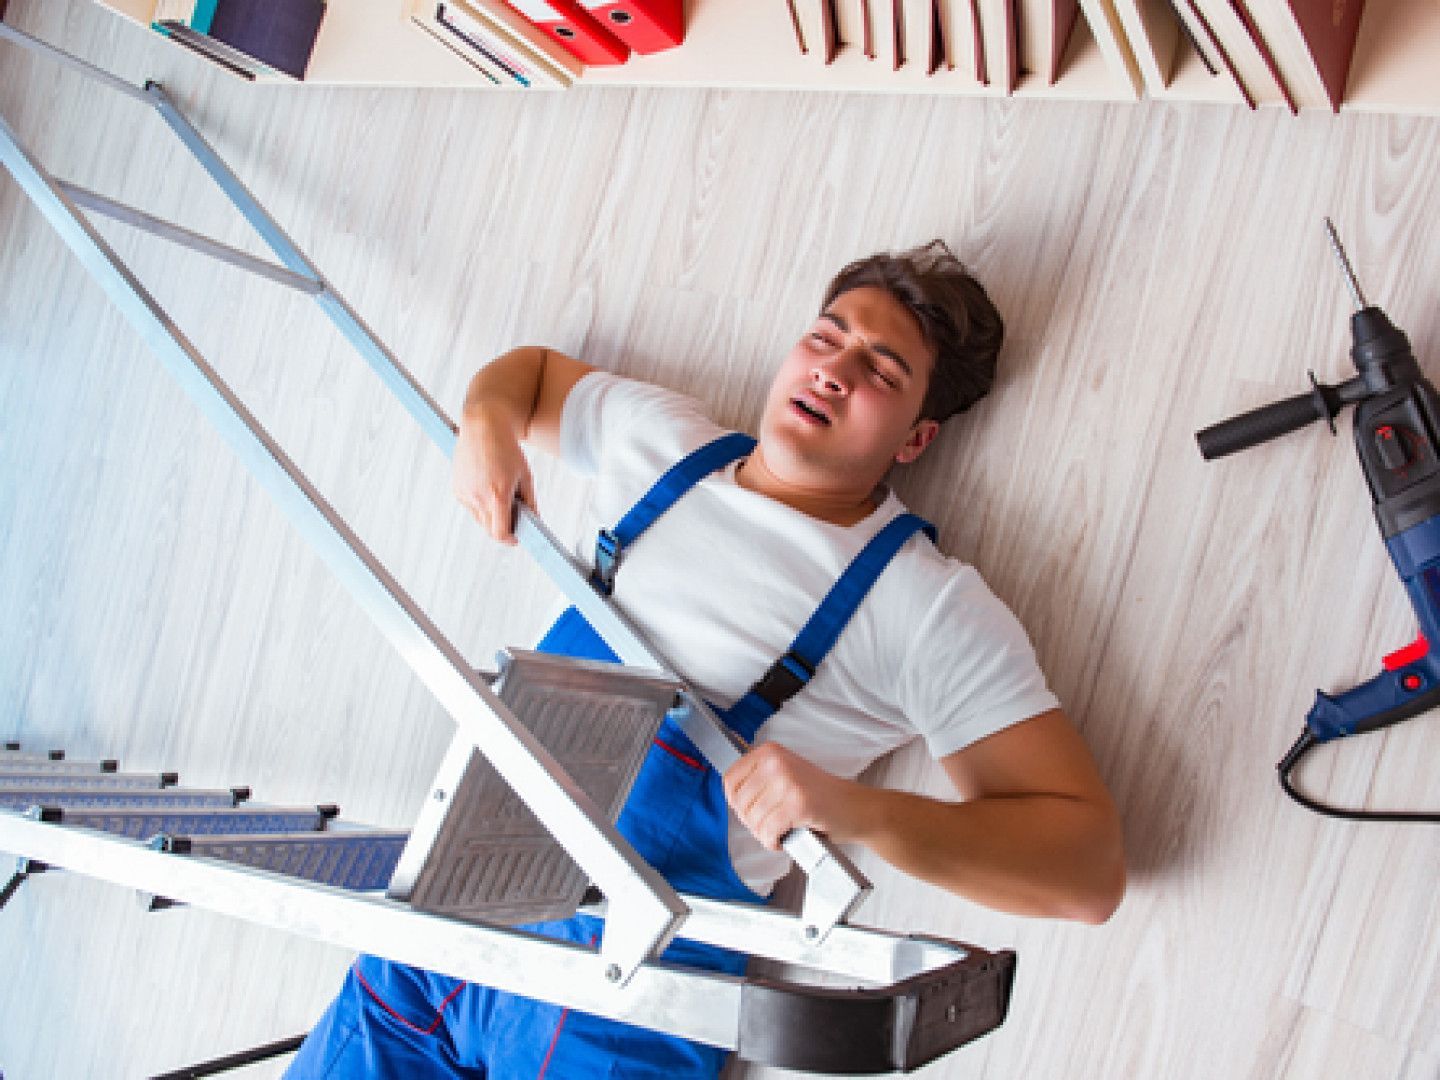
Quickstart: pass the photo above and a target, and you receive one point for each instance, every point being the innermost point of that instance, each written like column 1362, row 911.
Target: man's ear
column 921, row 436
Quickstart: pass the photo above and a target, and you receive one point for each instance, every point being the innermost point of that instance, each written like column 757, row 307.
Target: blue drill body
column 1410, row 683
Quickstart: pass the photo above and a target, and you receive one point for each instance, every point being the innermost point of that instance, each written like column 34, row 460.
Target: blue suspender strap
column 788, row 675
column 610, row 545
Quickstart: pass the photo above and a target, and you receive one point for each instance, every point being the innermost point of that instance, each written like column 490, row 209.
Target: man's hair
column 955, row 314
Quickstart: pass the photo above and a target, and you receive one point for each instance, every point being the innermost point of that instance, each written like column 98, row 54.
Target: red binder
column 647, row 26
column 578, row 34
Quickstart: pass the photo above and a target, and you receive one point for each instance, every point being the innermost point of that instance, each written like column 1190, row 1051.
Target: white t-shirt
column 724, row 580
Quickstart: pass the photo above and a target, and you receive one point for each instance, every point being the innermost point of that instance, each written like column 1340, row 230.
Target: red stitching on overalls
column 686, row 758
column 545, row 1065
column 564, row 1013
column 410, row 1024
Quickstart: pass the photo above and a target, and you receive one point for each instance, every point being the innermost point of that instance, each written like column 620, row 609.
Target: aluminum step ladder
column 918, row 997
column 476, row 853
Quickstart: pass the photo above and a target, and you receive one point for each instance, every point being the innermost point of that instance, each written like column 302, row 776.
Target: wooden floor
column 1160, row 268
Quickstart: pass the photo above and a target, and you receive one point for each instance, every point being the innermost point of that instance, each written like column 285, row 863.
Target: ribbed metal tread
column 483, row 855
column 67, row 796
column 362, row 859
column 12, row 764
column 28, row 778
column 143, row 823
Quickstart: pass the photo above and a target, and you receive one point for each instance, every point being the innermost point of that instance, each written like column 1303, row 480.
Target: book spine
column 478, row 43
column 231, row 59
column 483, row 39
column 204, row 15
column 172, row 11
column 182, row 35
column 447, row 41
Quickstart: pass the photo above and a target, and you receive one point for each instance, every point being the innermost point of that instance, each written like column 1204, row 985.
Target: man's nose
column 833, row 373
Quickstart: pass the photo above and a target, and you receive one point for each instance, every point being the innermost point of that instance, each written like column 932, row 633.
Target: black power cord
column 1303, row 746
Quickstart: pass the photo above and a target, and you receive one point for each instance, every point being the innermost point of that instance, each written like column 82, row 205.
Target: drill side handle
column 1388, row 698
column 1280, row 418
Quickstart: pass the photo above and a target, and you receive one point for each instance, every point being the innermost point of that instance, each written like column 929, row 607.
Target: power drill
column 1397, row 435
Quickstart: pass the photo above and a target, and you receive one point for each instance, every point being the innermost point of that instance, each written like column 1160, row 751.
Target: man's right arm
column 517, row 397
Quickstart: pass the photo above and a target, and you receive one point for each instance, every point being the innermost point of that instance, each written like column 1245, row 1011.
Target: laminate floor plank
column 1160, row 268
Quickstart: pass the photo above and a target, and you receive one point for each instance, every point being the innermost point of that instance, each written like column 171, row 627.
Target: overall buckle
column 786, row 678
column 607, row 560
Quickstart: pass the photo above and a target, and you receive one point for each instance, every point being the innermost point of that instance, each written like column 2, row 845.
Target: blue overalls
column 395, row 1021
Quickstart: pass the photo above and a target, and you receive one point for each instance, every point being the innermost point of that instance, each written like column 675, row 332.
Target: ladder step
column 91, row 781
column 141, row 824
column 67, row 797
column 481, row 854
column 359, row 860
column 12, row 752
column 35, row 765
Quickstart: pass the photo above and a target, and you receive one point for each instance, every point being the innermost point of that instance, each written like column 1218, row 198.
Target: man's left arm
column 1033, row 831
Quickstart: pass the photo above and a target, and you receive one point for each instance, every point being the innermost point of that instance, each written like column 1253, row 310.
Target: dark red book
column 1330, row 28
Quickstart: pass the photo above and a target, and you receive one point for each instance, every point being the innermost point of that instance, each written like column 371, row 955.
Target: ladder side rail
column 929, row 1011
column 704, row 1007
column 647, row 910
column 867, row 954
column 60, row 56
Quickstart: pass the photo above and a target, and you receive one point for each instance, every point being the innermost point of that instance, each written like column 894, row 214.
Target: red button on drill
column 1391, row 446
column 1411, row 681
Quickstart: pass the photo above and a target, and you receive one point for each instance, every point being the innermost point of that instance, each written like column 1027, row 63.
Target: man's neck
column 835, row 506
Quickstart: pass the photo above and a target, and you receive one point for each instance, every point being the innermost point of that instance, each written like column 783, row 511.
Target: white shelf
column 751, row 44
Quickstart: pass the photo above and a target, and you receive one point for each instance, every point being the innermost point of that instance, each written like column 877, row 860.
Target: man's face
column 843, row 406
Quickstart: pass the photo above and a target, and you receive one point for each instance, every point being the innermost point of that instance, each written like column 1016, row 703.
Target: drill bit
column 1359, row 297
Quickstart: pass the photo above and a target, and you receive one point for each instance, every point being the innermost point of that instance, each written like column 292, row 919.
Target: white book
column 476, row 38
column 1152, row 29
column 1104, row 22
column 177, row 10
column 814, row 20
column 1244, row 51
column 851, row 24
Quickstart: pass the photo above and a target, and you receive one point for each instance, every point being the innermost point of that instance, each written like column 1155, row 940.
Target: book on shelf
column 1000, row 23
column 498, row 43
column 855, row 26
column 818, row 29
column 1103, row 18
column 252, row 38
column 979, row 37
column 219, row 54
column 1240, row 50
column 924, row 30
column 1313, row 43
column 1044, row 28
column 1004, row 45
column 1199, row 35
column 1156, row 30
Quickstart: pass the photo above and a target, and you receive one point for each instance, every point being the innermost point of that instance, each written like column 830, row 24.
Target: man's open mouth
column 810, row 410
